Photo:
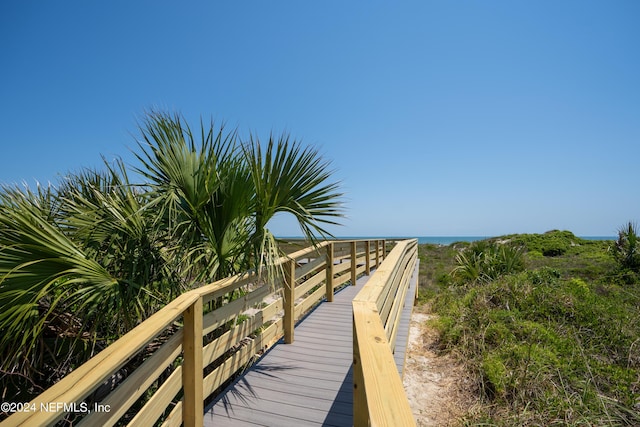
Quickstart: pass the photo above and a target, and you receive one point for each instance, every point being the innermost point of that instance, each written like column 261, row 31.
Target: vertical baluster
column 192, row 369
column 289, row 299
column 354, row 263
column 329, row 279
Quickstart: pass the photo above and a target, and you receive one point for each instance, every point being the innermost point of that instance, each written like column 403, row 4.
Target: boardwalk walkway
column 308, row 382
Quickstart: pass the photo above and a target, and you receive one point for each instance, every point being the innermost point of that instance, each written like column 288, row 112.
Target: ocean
column 447, row 240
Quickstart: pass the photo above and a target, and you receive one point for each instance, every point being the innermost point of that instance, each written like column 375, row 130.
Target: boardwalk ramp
column 310, row 381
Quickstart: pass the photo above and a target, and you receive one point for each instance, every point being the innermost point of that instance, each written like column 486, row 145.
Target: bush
column 485, row 261
column 627, row 248
column 550, row 244
column 555, row 248
column 556, row 344
column 547, row 346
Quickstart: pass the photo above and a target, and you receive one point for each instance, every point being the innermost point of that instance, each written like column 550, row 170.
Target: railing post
column 329, row 279
column 367, row 250
column 377, row 253
column 354, row 263
column 289, row 296
column 384, row 249
column 360, row 408
column 192, row 369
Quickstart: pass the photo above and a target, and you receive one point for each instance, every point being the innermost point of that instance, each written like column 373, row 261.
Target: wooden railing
column 201, row 340
column 379, row 397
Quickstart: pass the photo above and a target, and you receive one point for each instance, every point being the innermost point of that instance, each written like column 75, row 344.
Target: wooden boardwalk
column 308, row 382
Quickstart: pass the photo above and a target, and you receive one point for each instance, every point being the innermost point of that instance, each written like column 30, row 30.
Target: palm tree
column 199, row 192
column 217, row 195
column 82, row 264
column 78, row 266
column 107, row 219
column 293, row 180
column 627, row 247
column 43, row 275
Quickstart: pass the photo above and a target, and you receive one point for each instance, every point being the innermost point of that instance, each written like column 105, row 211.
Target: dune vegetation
column 547, row 326
column 85, row 261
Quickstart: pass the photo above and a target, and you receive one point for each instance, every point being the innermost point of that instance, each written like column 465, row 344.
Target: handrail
column 379, row 396
column 214, row 343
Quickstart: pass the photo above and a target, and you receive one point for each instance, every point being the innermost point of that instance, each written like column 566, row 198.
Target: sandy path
column 435, row 384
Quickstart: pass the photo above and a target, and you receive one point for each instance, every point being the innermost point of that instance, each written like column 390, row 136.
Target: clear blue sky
column 440, row 118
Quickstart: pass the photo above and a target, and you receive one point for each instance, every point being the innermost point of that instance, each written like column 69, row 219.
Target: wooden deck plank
column 329, row 318
column 248, row 400
column 269, row 372
column 310, row 380
column 265, row 395
column 310, row 336
column 306, row 383
column 270, row 418
column 321, row 325
column 321, row 355
column 295, row 364
column 309, row 390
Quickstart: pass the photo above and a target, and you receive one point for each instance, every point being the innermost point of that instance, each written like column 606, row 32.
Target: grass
column 555, row 344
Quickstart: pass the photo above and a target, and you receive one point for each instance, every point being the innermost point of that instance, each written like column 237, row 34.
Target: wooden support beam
column 289, row 299
column 367, row 250
column 329, row 279
column 360, row 407
column 354, row 263
column 192, row 369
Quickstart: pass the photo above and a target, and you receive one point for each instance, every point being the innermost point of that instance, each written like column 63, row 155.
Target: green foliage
column 627, row 248
column 43, row 275
column 486, row 261
column 82, row 264
column 436, row 262
column 550, row 244
column 217, row 195
column 554, row 344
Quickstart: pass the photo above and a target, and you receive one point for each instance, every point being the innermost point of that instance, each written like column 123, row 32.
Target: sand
column 437, row 386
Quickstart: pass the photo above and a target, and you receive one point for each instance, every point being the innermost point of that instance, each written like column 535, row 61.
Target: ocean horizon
column 447, row 240
column 440, row 240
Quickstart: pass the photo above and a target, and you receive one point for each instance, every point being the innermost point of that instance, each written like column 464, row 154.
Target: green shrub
column 543, row 275
column 545, row 347
column 550, row 244
column 494, row 375
column 555, row 248
column 485, row 261
column 627, row 248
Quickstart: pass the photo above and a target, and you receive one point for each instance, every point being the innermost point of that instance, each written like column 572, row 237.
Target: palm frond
column 201, row 192
column 39, row 267
column 294, row 180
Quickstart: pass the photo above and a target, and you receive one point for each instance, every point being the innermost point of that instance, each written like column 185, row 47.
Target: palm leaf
column 38, row 263
column 290, row 179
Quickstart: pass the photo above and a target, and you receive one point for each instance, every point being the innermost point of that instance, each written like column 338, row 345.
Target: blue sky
column 439, row 118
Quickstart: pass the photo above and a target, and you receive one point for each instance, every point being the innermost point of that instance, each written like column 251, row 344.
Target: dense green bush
column 556, row 344
column 552, row 243
column 627, row 248
column 485, row 261
column 534, row 339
